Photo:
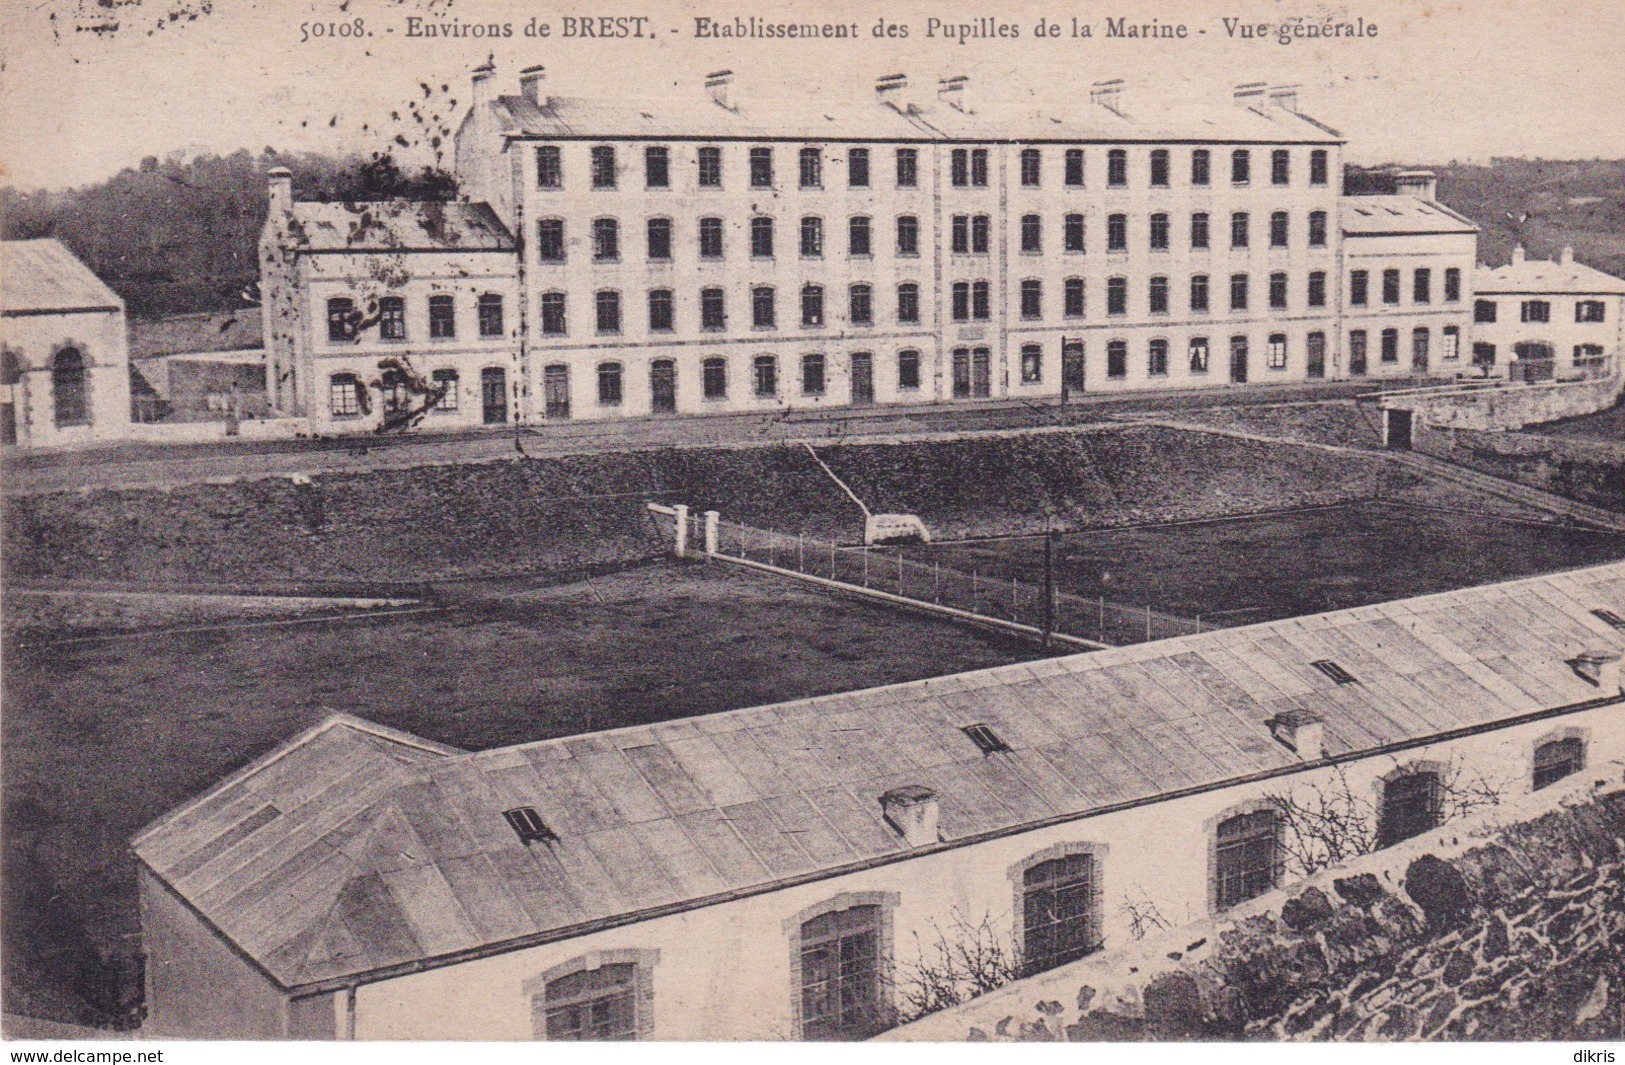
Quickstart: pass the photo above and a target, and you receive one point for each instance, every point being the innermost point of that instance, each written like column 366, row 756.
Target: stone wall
column 1510, row 926
column 1511, row 407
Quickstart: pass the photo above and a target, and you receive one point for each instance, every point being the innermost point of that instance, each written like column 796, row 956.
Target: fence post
column 772, row 547
column 1012, row 599
column 1148, row 621
column 899, row 571
column 936, row 583
column 1100, row 629
column 973, row 590
column 680, row 545
column 801, row 552
column 711, row 519
column 866, row 565
column 832, row 558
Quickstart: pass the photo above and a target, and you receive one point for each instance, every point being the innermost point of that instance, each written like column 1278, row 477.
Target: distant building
column 198, row 367
column 64, row 362
column 1535, row 320
column 768, row 873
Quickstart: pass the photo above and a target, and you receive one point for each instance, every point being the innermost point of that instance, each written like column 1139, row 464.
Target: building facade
column 1535, row 320
column 774, row 873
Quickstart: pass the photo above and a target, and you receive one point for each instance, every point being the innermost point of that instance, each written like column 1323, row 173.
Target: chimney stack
column 280, row 179
column 530, row 84
column 1300, row 731
column 889, row 89
column 1566, row 256
column 1423, row 184
column 1250, row 94
column 1108, row 94
column 953, row 92
column 1285, row 97
column 720, row 84
column 913, row 811
column 1518, row 255
column 1600, row 668
column 480, row 100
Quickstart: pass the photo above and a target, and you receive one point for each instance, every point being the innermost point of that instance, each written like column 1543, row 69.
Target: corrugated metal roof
column 1382, row 215
column 397, row 225
column 42, row 275
column 1533, row 276
column 350, row 853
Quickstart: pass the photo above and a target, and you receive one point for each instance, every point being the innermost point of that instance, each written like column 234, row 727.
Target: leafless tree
column 954, row 965
column 1143, row 915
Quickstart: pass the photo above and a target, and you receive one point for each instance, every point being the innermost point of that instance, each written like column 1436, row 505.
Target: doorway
column 1072, row 375
column 863, row 379
column 556, row 392
column 663, row 386
column 1398, row 435
column 494, row 395
column 1238, row 360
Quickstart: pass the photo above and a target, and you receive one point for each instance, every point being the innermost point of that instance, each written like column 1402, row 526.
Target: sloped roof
column 1540, row 276
column 208, row 331
column 397, row 226
column 42, row 275
column 348, row 855
column 1372, row 216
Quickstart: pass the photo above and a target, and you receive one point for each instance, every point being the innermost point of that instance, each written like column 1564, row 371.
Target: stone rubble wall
column 1512, row 407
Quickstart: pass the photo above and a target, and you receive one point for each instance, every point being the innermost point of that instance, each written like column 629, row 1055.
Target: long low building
column 772, row 873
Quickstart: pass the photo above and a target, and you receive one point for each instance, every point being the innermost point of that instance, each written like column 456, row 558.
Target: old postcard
column 918, row 521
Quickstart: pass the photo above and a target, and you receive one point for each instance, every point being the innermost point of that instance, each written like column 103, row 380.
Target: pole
column 973, row 590
column 936, row 583
column 801, row 552
column 866, row 565
column 1100, row 629
column 1049, row 585
column 1148, row 621
column 1012, row 599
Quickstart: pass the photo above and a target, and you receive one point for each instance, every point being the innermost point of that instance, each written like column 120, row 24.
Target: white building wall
column 1563, row 332
column 1436, row 253
column 101, row 338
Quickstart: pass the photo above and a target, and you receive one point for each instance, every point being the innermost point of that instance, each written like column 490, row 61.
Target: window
column 656, row 168
column 444, row 385
column 908, row 302
column 1390, row 286
column 549, row 173
column 1359, row 288
column 1586, row 311
column 1556, row 759
column 908, row 235
column 1072, row 297
column 812, row 375
column 857, row 236
column 981, row 228
column 490, row 314
column 609, row 384
column 812, row 237
column 340, row 319
column 1246, row 857
column 1074, row 167
column 1157, row 358
column 609, row 311
column 392, row 318
column 1452, row 285
column 860, row 305
column 961, row 301
column 1073, row 237
column 710, row 168
column 1589, row 357
column 1060, row 911
column 1199, row 233
column 1238, row 292
column 1117, row 358
column 812, row 305
column 1201, row 167
column 1317, row 288
column 550, row 240
column 978, row 167
column 606, row 240
column 1030, row 160
column 603, row 167
column 908, row 168
column 1032, row 364
column 1238, row 229
column 1276, row 353
column 1032, row 233
column 659, row 239
column 1422, row 285
column 343, row 396
column 841, row 974
column 552, row 314
column 761, row 168
column 761, row 238
column 1318, row 171
column 1336, row 673
column 1277, row 292
column 960, row 230
column 1484, row 310
column 1357, row 352
column 397, row 393
column 1158, row 291
column 1159, row 232
column 812, row 168
column 765, row 375
column 1240, row 167
column 908, row 369
column 1484, row 355
column 1117, row 232
column 1159, row 168
column 959, row 168
column 1317, row 229
column 1450, row 343
column 857, row 168
column 714, row 377
column 1199, row 296
column 710, row 238
column 1278, row 229
column 1419, row 348
column 1116, row 168
column 442, row 318
column 713, row 311
column 981, row 304
column 1032, row 299
column 1117, row 295
column 1390, row 345
column 660, row 311
column 1280, row 167
column 593, row 1004
column 1410, row 806
column 1198, row 354
column 763, row 308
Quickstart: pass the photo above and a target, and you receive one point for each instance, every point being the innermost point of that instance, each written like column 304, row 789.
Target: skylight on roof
column 1334, row 671
column 1610, row 617
column 529, row 826
column 988, row 741
column 1362, row 210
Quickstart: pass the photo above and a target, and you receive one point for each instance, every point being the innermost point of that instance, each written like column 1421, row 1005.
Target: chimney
column 720, row 84
column 280, row 179
column 1300, row 731
column 912, row 810
column 480, row 100
column 1108, row 94
column 1250, row 94
column 889, row 89
column 1285, row 97
column 530, row 84
column 953, row 92
column 1518, row 255
column 1566, row 256
column 1600, row 668
column 1423, row 184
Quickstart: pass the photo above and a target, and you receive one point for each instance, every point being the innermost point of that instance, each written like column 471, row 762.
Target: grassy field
column 102, row 736
column 1607, row 426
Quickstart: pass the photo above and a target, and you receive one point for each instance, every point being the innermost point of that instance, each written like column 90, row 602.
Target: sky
column 1440, row 81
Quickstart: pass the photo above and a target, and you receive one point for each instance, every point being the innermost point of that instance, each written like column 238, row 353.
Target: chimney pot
column 530, row 83
column 280, row 181
column 914, row 812
column 1566, row 256
column 1601, row 668
column 1108, row 94
column 889, row 88
column 952, row 91
column 1249, row 94
column 1300, row 731
column 720, row 84
column 1518, row 254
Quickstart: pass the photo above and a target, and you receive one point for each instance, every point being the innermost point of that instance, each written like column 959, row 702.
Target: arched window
column 1246, row 856
column 343, row 395
column 1060, row 907
column 68, row 388
column 11, row 369
column 445, row 389
column 340, row 319
column 556, row 391
column 714, row 377
column 765, row 376
column 841, row 954
column 397, row 392
column 605, row 995
column 1411, row 805
column 1558, row 757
